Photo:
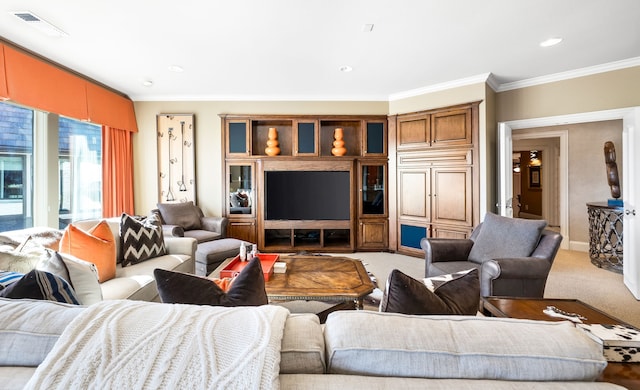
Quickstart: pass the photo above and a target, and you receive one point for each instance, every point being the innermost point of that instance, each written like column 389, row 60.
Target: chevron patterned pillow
column 140, row 239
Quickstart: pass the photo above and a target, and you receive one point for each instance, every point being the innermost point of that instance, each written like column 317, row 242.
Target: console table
column 605, row 235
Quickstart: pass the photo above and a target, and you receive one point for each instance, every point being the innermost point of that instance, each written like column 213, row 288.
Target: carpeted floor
column 572, row 276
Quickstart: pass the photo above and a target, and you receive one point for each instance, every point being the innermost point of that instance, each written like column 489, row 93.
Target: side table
column 605, row 235
column 623, row 374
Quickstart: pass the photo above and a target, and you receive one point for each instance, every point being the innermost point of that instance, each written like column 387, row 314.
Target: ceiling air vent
column 40, row 24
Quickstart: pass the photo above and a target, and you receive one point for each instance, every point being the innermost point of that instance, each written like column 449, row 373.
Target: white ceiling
column 293, row 49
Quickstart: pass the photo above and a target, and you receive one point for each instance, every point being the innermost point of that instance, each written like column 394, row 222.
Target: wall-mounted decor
column 176, row 158
column 534, row 177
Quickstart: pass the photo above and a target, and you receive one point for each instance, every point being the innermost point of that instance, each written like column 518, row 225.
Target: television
column 307, row 195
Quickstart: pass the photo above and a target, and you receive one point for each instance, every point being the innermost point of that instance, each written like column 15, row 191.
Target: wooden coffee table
column 317, row 278
column 623, row 374
column 321, row 278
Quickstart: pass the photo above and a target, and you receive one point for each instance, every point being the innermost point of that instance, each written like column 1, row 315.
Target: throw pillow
column 182, row 214
column 247, row 288
column 97, row 246
column 501, row 237
column 53, row 264
column 81, row 275
column 9, row 277
column 19, row 261
column 140, row 239
column 41, row 285
column 84, row 279
column 457, row 293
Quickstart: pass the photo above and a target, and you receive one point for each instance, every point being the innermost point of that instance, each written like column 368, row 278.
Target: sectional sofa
column 133, row 344
column 134, row 281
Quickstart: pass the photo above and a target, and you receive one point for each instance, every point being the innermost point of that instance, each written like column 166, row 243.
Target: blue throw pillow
column 41, row 285
column 7, row 278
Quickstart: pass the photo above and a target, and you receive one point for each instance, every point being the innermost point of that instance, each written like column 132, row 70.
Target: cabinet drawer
column 446, row 157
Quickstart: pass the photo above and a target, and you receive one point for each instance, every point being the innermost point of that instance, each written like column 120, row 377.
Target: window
column 26, row 158
column 16, row 161
column 80, row 167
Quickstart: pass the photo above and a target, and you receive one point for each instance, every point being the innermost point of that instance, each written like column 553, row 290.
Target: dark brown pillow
column 457, row 293
column 247, row 288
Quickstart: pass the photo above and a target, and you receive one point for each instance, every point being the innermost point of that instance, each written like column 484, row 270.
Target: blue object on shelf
column 615, row 202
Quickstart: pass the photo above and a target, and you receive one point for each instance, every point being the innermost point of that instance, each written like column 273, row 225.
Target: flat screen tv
column 307, row 195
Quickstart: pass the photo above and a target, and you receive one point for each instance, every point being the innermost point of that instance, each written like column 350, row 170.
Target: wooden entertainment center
column 427, row 160
column 306, row 143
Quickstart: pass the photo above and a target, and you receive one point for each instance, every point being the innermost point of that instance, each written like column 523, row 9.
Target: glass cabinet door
column 373, row 187
column 238, row 139
column 241, row 194
column 375, row 139
column 305, row 138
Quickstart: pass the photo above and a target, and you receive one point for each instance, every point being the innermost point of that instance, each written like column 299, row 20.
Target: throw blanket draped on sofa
column 137, row 345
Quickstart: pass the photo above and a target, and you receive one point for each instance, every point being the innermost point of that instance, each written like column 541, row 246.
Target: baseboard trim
column 526, row 215
column 579, row 246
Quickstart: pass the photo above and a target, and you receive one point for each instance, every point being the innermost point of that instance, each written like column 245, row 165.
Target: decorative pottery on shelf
column 272, row 148
column 338, row 144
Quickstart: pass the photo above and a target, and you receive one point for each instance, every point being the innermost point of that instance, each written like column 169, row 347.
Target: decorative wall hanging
column 176, row 158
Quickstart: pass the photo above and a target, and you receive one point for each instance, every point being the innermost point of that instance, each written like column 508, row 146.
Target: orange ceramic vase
column 338, row 144
column 272, row 148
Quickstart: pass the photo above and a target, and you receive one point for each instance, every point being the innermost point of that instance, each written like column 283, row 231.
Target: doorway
column 536, row 189
column 630, row 143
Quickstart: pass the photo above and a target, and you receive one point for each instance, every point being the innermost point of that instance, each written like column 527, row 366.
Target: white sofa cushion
column 29, row 329
column 136, row 281
column 302, row 345
column 332, row 382
column 462, row 347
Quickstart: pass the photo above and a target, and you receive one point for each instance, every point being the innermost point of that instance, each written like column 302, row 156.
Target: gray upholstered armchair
column 514, row 256
column 187, row 220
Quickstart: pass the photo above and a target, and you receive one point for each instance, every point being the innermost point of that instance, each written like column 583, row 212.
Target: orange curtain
column 4, row 94
column 117, row 172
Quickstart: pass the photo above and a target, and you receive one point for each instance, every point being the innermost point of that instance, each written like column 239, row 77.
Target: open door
column 630, row 193
column 505, row 171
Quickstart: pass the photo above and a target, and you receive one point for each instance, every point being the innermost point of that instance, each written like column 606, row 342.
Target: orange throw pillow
column 224, row 283
column 97, row 246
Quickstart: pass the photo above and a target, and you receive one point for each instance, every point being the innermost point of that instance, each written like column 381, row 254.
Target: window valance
column 33, row 82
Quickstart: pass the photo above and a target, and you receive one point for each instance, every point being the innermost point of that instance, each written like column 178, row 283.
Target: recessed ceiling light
column 147, row 83
column 550, row 42
column 176, row 68
column 38, row 23
column 367, row 27
column 345, row 68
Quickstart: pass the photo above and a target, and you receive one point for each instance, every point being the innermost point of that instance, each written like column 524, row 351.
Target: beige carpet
column 572, row 276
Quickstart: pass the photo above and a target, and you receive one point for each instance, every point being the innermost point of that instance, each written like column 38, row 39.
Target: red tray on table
column 267, row 260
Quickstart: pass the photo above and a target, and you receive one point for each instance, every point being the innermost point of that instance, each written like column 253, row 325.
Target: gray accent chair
column 505, row 276
column 187, row 220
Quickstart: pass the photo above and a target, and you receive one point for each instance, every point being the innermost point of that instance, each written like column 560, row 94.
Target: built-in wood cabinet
column 240, row 204
column 373, row 217
column 436, row 171
column 305, row 143
column 437, row 128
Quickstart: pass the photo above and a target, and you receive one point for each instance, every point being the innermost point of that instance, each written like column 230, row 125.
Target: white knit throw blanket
column 142, row 345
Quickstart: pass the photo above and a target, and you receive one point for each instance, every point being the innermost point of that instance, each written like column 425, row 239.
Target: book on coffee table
column 620, row 343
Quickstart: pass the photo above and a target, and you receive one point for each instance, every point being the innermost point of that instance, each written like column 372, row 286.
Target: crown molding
column 481, row 78
column 608, row 67
column 487, row 78
column 258, row 98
